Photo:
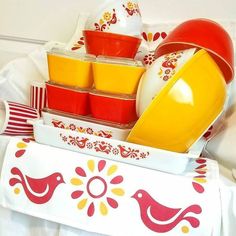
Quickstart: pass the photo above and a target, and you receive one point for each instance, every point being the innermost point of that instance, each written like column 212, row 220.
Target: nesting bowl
column 121, row 17
column 185, row 108
column 110, row 44
column 203, row 34
column 156, row 77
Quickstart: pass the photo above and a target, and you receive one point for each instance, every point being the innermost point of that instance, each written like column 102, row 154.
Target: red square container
column 68, row 99
column 115, row 108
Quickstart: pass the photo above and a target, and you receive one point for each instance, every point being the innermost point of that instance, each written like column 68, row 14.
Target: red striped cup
column 38, row 96
column 13, row 118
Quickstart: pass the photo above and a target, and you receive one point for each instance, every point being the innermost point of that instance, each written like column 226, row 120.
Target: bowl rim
column 231, row 69
column 112, row 35
column 117, row 96
column 67, row 87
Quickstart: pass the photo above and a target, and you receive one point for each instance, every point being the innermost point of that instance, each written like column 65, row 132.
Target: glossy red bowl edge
column 68, row 100
column 196, row 33
column 110, row 44
column 113, row 109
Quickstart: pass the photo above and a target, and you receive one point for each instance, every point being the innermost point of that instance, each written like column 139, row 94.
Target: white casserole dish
column 86, row 125
column 112, row 149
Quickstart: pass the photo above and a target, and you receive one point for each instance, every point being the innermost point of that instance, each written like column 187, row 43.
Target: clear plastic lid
column 90, row 119
column 75, row 55
column 74, row 88
column 119, row 61
column 112, row 95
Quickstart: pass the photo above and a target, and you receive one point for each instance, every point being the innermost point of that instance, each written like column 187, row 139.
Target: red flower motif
column 89, row 131
column 149, row 59
column 64, row 138
column 97, row 189
column 166, row 77
column 102, row 147
column 72, row 127
column 115, row 151
column 89, row 145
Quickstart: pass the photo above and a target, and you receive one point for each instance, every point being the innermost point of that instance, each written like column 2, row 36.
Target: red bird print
column 38, row 191
column 154, row 215
column 171, row 63
column 129, row 11
column 128, row 153
column 58, row 124
column 113, row 19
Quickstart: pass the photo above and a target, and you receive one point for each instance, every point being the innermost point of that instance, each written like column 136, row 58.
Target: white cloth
column 15, row 79
column 17, row 76
column 13, row 223
column 118, row 182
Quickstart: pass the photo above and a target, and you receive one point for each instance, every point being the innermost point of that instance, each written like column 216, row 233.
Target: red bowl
column 112, row 107
column 70, row 100
column 203, row 34
column 109, row 44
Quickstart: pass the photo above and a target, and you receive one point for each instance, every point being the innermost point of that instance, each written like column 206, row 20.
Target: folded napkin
column 109, row 197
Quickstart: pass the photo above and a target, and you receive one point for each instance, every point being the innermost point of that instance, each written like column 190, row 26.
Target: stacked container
column 99, row 89
column 115, row 81
column 96, row 93
column 71, row 78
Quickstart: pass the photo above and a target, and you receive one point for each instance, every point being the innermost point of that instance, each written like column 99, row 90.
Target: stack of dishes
column 93, row 90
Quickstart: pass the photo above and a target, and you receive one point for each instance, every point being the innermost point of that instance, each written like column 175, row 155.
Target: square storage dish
column 86, row 125
column 68, row 99
column 114, row 108
column 69, row 68
column 117, row 75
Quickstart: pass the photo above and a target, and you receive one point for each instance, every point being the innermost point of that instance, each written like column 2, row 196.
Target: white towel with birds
column 109, row 197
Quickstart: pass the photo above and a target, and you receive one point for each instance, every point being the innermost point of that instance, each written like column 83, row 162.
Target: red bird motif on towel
column 38, row 191
column 162, row 219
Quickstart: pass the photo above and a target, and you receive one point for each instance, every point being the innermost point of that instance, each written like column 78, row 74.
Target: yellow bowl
column 115, row 75
column 70, row 69
column 184, row 109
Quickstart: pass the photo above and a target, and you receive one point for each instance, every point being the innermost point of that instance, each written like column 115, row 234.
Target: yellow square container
column 117, row 75
column 69, row 68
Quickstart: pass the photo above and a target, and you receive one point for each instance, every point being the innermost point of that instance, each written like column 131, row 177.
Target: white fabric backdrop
column 56, row 20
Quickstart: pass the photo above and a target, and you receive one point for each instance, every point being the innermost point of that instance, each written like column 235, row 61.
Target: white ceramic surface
column 85, row 126
column 156, row 77
column 122, row 17
column 112, row 149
